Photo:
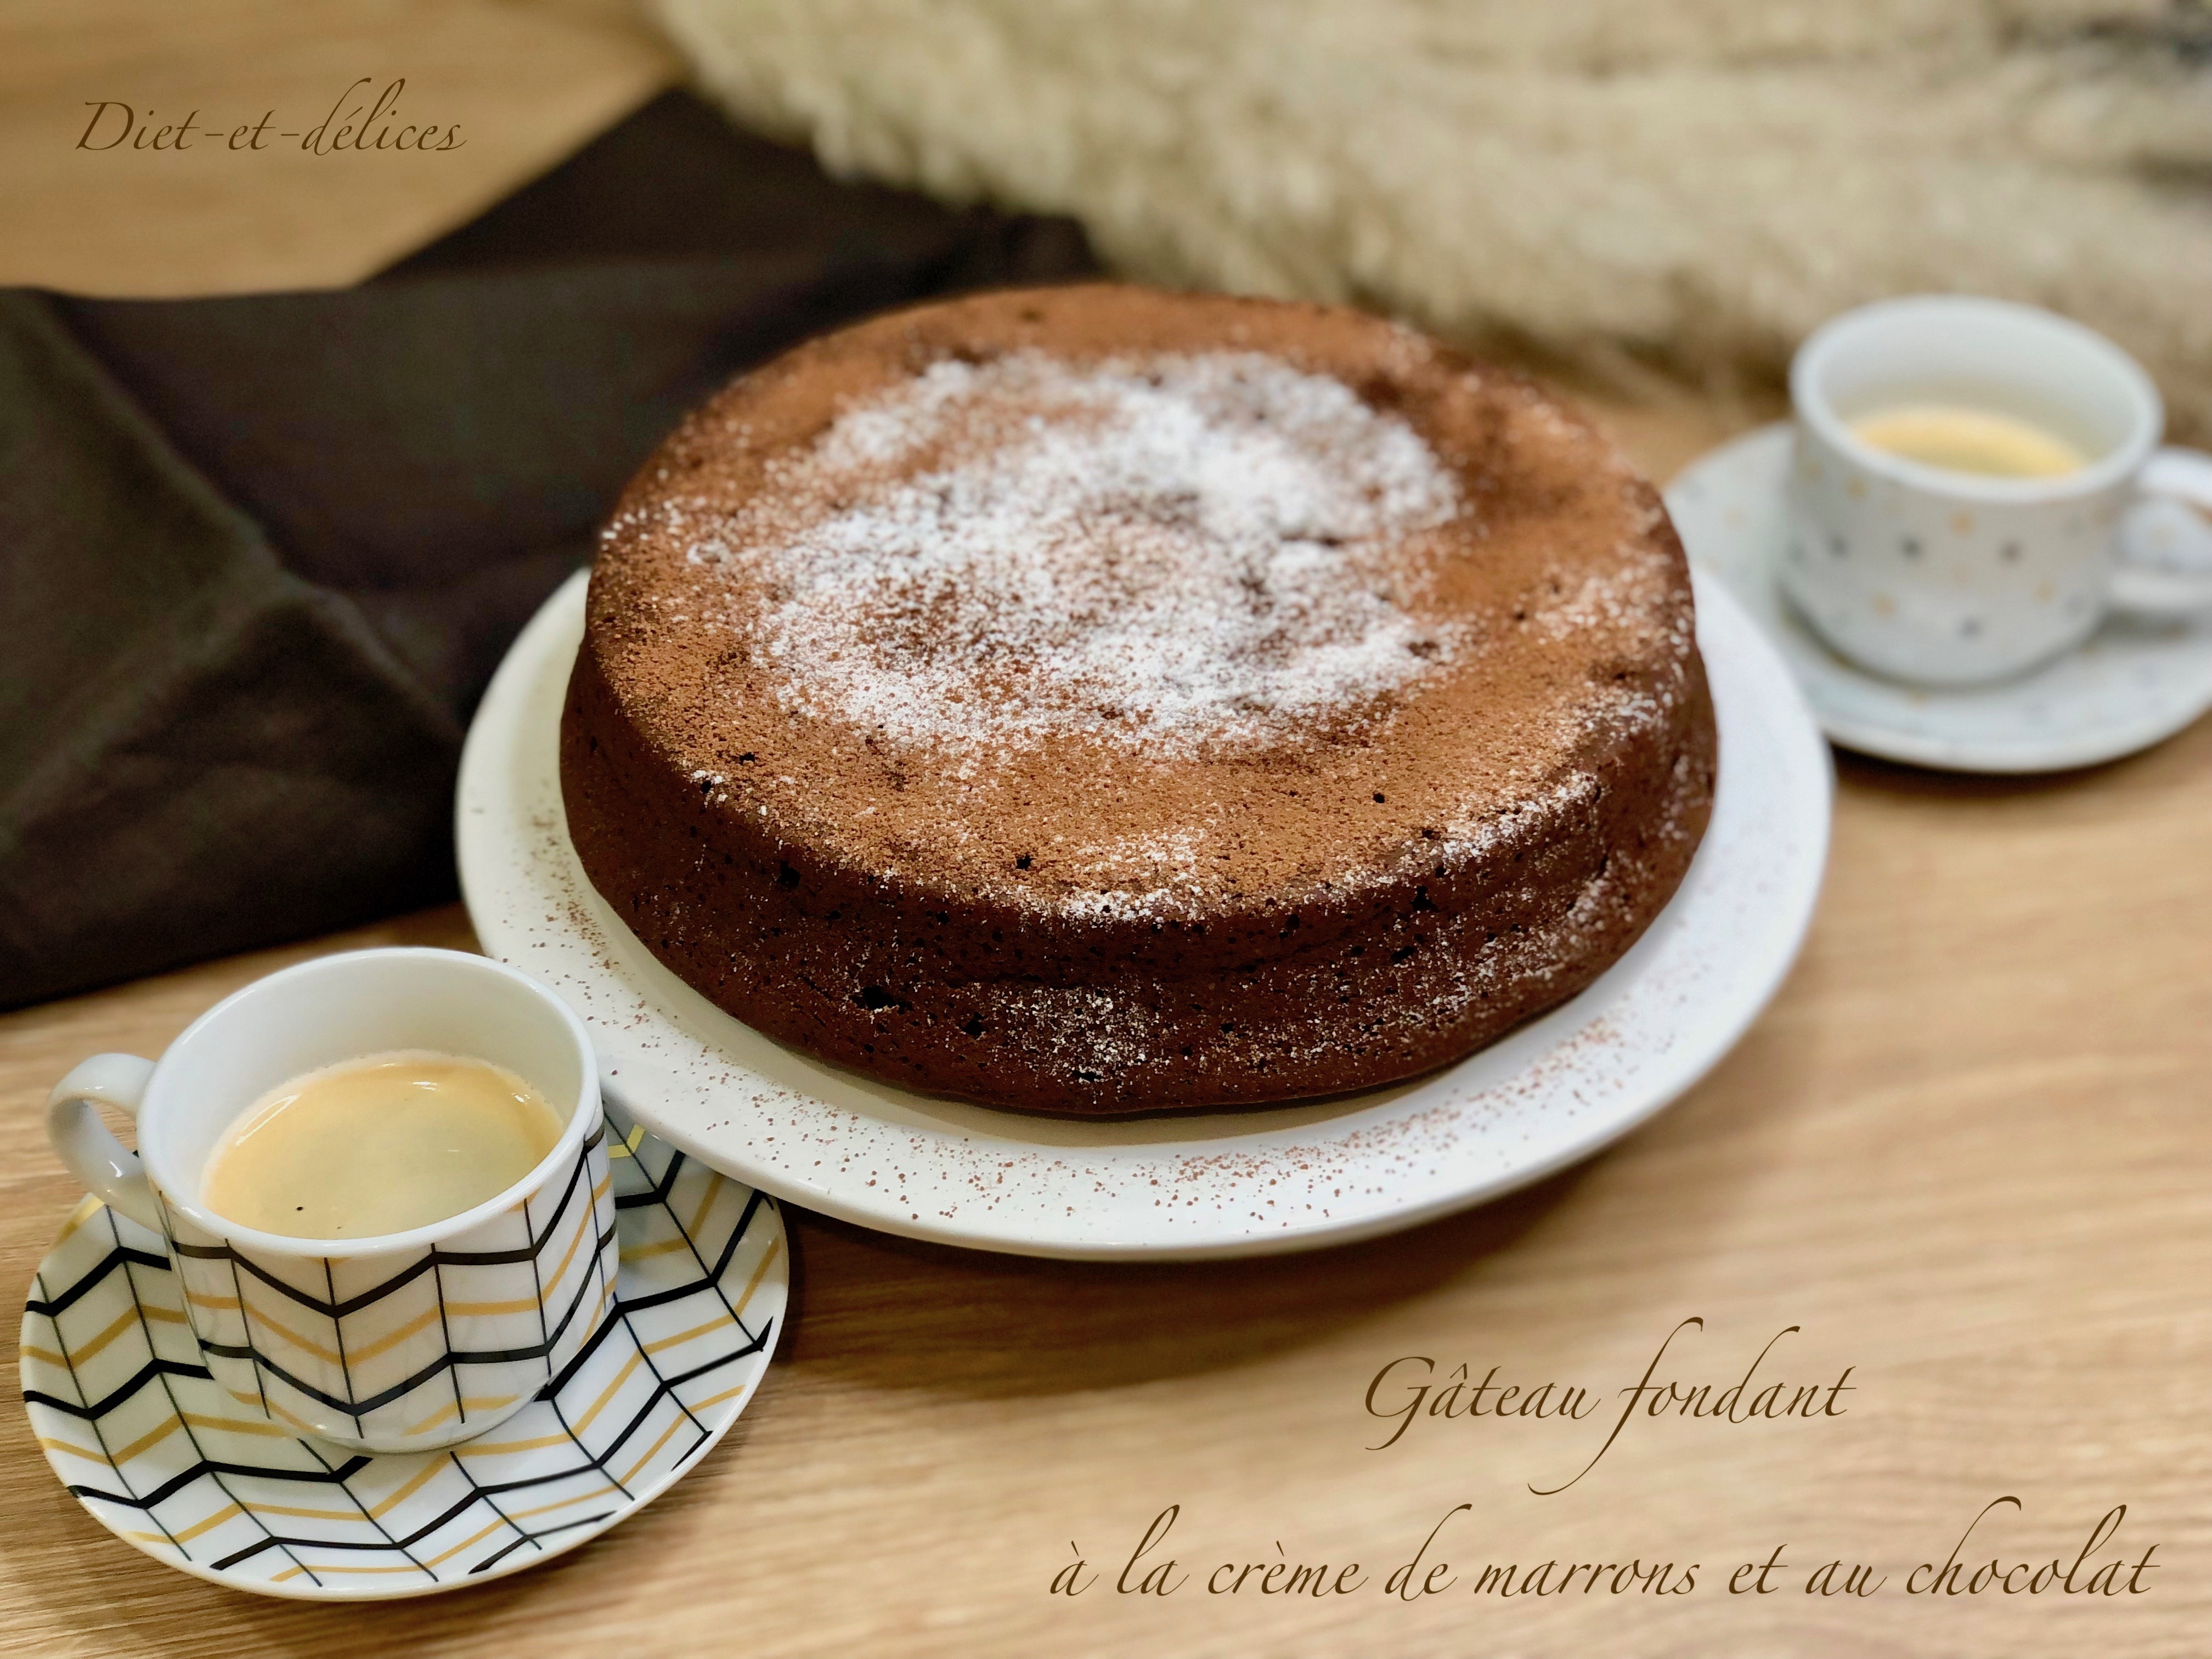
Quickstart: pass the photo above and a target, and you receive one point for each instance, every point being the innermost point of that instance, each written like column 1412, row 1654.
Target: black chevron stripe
column 177, row 1483
column 730, row 1244
column 160, row 1367
column 435, row 1256
column 476, row 1495
column 173, row 1368
column 752, row 1346
column 579, row 1178
column 380, row 1545
column 605, row 1454
column 108, row 1263
column 460, row 1506
column 656, row 1194
column 661, row 1299
column 663, row 1391
column 468, row 1501
column 508, row 1548
column 479, row 1493
column 444, row 1363
column 561, row 1379
column 658, row 1298
column 664, row 1388
column 273, row 1542
column 500, row 1488
column 329, row 1309
column 269, row 1543
column 147, row 1373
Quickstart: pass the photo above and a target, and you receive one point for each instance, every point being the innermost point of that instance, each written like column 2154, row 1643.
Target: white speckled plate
column 1232, row 1184
column 162, row 1456
column 2133, row 683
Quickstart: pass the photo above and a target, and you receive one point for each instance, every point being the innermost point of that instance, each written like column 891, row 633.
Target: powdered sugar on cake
column 1172, row 554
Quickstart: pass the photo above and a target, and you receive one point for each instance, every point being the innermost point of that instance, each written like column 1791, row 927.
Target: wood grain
column 524, row 85
column 1965, row 1153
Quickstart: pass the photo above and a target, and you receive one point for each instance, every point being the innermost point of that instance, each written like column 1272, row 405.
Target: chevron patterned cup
column 403, row 1343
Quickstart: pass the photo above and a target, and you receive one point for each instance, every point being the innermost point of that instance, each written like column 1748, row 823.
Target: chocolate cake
column 1099, row 701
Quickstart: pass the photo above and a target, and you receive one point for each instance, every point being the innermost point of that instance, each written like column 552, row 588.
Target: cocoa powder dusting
column 1101, row 631
column 1103, row 700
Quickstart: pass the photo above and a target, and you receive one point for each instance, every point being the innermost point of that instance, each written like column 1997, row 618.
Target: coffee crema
column 379, row 1145
column 1960, row 439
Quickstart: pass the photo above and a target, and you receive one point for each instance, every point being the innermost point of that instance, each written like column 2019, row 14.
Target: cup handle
column 2165, row 537
column 109, row 1170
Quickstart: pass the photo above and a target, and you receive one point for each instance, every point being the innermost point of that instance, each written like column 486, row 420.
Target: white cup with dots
column 1976, row 484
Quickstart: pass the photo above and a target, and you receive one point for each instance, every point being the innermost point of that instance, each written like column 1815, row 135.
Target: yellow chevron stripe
column 304, row 1514
column 435, row 1560
column 467, row 1402
column 675, row 1424
column 87, row 1207
column 485, row 1449
column 414, row 1327
column 46, row 1354
column 761, row 1272
column 256, row 1316
column 713, row 1324
column 274, row 1410
column 74, row 1450
column 122, row 1321
column 706, row 1203
column 609, row 1393
column 153, row 1435
column 584, row 1226
column 215, row 1520
column 406, row 1489
column 451, row 1408
column 236, row 1424
column 561, row 1503
column 444, row 1556
column 607, row 1291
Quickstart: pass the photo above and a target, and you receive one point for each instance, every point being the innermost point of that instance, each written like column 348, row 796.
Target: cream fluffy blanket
column 1694, row 182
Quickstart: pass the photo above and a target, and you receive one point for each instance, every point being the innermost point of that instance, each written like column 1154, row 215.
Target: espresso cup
column 405, row 1342
column 1950, row 577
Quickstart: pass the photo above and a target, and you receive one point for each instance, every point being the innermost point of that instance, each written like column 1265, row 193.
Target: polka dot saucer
column 2131, row 684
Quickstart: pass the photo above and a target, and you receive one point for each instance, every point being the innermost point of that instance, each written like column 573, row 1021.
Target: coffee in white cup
column 405, row 1339
column 1960, row 438
column 381, row 1143
column 1967, row 479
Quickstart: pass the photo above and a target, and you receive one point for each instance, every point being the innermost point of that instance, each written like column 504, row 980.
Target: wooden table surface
column 1965, row 1155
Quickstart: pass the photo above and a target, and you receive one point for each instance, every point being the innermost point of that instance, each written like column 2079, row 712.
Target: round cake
column 1099, row 701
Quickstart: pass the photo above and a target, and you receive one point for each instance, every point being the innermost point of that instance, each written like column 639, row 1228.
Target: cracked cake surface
column 1100, row 700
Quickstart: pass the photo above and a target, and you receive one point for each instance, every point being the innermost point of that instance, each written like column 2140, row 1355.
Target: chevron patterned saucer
column 162, row 1457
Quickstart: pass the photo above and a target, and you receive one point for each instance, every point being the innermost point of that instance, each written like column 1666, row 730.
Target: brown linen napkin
column 258, row 556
